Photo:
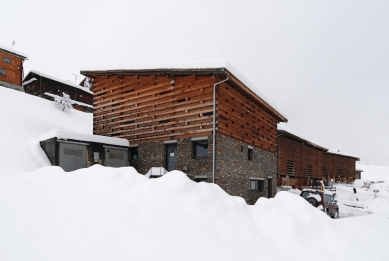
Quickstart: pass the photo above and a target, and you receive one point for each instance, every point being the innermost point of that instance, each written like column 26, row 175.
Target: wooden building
column 48, row 87
column 303, row 163
column 11, row 68
column 168, row 115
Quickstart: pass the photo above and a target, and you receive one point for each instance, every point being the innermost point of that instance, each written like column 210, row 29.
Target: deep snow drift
column 23, row 118
column 117, row 214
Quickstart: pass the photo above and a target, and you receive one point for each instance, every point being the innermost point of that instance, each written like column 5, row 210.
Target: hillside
column 23, row 118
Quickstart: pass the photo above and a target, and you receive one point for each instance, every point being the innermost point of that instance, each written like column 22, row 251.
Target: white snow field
column 102, row 213
column 23, row 118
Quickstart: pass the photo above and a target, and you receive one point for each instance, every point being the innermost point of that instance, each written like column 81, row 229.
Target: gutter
column 214, row 128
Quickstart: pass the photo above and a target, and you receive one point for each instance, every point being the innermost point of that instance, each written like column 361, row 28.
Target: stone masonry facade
column 233, row 168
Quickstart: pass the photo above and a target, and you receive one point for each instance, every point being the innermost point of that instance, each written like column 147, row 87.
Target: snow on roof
column 282, row 127
column 73, row 101
column 336, row 151
column 191, row 65
column 29, row 81
column 65, row 135
column 10, row 50
column 61, row 81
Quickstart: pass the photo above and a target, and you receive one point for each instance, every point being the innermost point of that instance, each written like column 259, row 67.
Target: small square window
column 256, row 185
column 7, row 60
column 2, row 72
column 134, row 153
column 200, row 149
column 250, row 154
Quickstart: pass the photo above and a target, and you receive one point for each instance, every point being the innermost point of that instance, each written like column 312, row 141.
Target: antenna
column 13, row 43
column 75, row 78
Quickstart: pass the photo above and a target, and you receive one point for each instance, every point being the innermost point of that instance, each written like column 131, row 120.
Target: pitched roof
column 59, row 80
column 296, row 136
column 14, row 52
column 196, row 67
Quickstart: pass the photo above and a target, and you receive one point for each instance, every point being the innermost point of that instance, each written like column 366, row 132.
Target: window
column 256, row 184
column 200, row 149
column 134, row 153
column 201, row 179
column 290, row 167
column 2, row 72
column 250, row 154
column 309, row 170
column 7, row 60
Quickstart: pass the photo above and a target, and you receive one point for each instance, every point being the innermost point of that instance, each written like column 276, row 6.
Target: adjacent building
column 303, row 163
column 208, row 122
column 49, row 87
column 11, row 68
column 72, row 151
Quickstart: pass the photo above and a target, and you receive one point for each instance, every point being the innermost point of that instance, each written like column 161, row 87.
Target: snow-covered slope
column 374, row 173
column 23, row 118
column 117, row 214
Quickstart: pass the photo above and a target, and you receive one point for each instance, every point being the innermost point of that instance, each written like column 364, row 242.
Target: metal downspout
column 214, row 128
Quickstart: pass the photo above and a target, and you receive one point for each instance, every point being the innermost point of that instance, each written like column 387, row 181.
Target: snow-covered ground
column 23, row 118
column 102, row 213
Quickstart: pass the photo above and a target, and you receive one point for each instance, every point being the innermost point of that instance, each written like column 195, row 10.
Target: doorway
column 269, row 188
column 171, row 156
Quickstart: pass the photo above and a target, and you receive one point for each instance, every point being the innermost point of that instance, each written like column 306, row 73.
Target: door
column 171, row 156
column 269, row 188
column 72, row 156
column 115, row 157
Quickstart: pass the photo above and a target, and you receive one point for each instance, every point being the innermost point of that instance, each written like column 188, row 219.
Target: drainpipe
column 214, row 128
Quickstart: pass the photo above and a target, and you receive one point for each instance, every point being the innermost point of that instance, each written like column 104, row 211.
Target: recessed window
column 256, row 185
column 134, row 153
column 250, row 154
column 2, row 72
column 200, row 149
column 7, row 60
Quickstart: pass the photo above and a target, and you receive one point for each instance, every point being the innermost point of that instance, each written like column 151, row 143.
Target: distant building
column 303, row 163
column 11, row 68
column 49, row 87
column 167, row 115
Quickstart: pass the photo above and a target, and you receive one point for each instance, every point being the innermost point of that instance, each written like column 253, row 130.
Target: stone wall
column 233, row 169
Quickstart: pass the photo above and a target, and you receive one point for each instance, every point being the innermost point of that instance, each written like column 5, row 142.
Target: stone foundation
column 233, row 169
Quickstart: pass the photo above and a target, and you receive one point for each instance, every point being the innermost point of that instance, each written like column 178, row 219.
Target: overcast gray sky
column 324, row 63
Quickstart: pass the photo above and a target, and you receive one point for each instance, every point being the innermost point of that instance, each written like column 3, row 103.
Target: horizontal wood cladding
column 13, row 70
column 244, row 119
column 306, row 160
column 310, row 162
column 143, row 108
column 339, row 166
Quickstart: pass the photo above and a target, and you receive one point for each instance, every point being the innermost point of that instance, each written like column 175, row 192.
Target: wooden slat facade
column 147, row 107
column 310, row 162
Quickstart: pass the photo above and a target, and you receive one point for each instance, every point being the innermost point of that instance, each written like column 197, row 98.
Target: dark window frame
column 7, row 60
column 256, row 185
column 250, row 154
column 134, row 151
column 196, row 145
column 3, row 72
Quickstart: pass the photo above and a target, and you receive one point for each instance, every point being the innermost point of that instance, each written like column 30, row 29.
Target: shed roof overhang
column 221, row 72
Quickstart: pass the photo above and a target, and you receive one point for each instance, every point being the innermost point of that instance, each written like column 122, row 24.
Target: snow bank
column 68, row 135
column 104, row 213
column 23, row 118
